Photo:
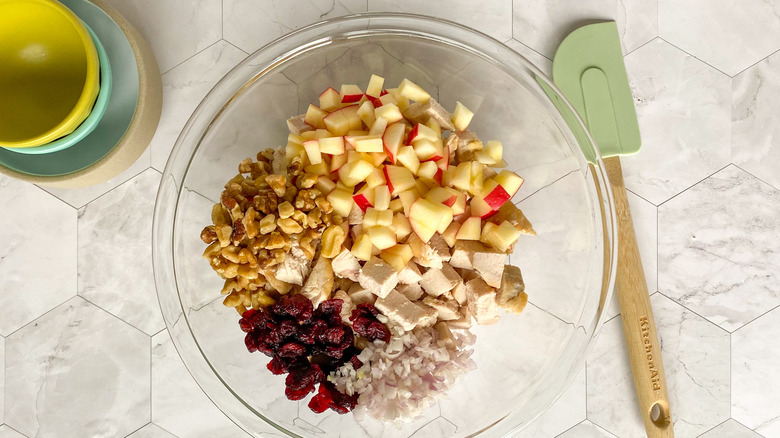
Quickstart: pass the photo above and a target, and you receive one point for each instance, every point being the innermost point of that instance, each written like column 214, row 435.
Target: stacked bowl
column 82, row 92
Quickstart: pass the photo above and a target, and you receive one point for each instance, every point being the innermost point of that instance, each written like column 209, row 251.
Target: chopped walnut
column 224, row 234
column 267, row 224
column 219, row 215
column 276, row 241
column 245, row 166
column 266, row 202
column 208, row 235
column 289, row 226
column 324, row 205
column 250, row 223
column 234, row 208
column 307, row 181
column 285, row 210
column 332, row 239
column 278, row 184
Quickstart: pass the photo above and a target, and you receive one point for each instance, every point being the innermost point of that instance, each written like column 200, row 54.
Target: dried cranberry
column 305, row 337
column 251, row 342
column 333, row 336
column 320, row 403
column 247, row 321
column 361, row 325
column 331, row 307
column 292, row 350
column 265, row 349
column 288, row 327
column 298, row 394
column 356, row 363
column 275, row 337
column 299, row 307
column 277, row 366
column 377, row 330
column 366, row 309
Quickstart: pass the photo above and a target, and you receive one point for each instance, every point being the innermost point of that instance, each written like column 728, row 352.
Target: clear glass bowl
column 524, row 362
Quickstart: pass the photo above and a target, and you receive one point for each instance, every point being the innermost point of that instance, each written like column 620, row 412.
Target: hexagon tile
column 251, row 24
column 2, row 379
column 731, row 36
column 684, row 122
column 586, row 429
column 755, row 131
column 175, row 29
column 171, row 384
column 543, row 25
column 755, row 365
column 38, row 255
column 77, row 371
column 183, row 88
column 709, row 241
column 730, row 429
column 151, row 430
column 7, row 432
column 566, row 412
column 115, row 253
column 696, row 362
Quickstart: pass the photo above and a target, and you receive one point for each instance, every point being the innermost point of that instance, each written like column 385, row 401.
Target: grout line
column 528, row 47
column 731, row 371
column 696, row 58
column 117, row 186
column 713, row 427
column 754, row 176
column 41, row 316
column 759, row 316
column 194, row 55
column 137, row 429
column 756, row 63
column 545, row 186
column 115, row 316
column 151, row 379
column 642, row 45
column 172, row 434
column 237, row 48
column 642, row 197
column 571, row 427
column 9, row 426
column 692, row 311
column 695, row 184
column 56, row 197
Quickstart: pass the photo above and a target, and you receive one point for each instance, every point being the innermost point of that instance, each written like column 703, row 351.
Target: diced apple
column 330, row 99
column 408, row 157
column 362, row 249
column 494, row 194
column 501, row 164
column 325, row 185
column 376, row 178
column 435, row 126
column 337, row 161
column 462, row 177
column 444, row 163
column 428, row 150
column 312, row 148
column 378, row 158
column 495, row 149
column 484, row 158
column 292, row 138
column 341, row 201
column 412, row 91
column 449, row 234
column 427, row 217
column 314, row 116
column 441, row 195
column 398, row 178
column 447, row 176
column 502, row 237
column 337, row 123
column 421, row 132
column 350, row 93
column 354, row 172
column 369, row 143
column 397, row 256
column 317, row 169
column 401, row 226
column 293, row 150
column 459, row 206
column 510, row 181
column 407, row 198
column 399, row 100
column 381, row 237
column 332, row 145
column 382, row 197
column 366, row 113
column 487, row 229
column 438, row 176
column 396, row 206
column 389, row 112
column 352, row 116
column 477, row 177
column 392, row 140
column 480, row 208
column 387, row 99
column 461, row 117
column 364, row 198
column 377, row 218
column 427, row 170
column 374, row 88
column 378, row 128
column 470, row 229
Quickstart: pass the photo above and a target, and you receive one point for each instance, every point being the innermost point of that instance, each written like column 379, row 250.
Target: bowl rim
column 89, row 92
column 173, row 179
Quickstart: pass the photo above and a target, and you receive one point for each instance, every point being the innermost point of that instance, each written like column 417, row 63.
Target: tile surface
column 77, row 349
column 175, row 29
column 183, row 88
column 684, row 123
column 730, row 36
column 115, row 253
column 151, row 430
column 755, row 131
column 708, row 240
column 171, row 384
column 251, row 24
column 543, row 25
column 38, row 255
column 2, row 380
column 7, row 432
column 754, row 368
column 586, row 429
column 566, row 412
column 696, row 363
column 730, row 429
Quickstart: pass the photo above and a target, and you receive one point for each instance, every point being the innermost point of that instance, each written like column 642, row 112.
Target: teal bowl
column 98, row 110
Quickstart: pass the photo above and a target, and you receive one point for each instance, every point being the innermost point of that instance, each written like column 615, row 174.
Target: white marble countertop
column 84, row 346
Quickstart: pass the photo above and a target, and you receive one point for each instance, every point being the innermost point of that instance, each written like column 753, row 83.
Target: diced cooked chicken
column 319, row 284
column 342, row 283
column 360, row 295
column 511, row 285
column 446, row 310
column 462, row 251
column 421, row 112
column 295, row 267
column 297, row 126
column 355, row 215
column 482, row 302
column 355, row 231
column 465, row 138
column 488, row 262
column 347, row 306
column 278, row 285
column 431, row 254
column 346, row 265
column 437, row 281
column 459, row 293
column 378, row 277
column 452, row 143
column 412, row 291
column 410, row 274
column 463, row 321
column 279, row 162
column 510, row 212
column 403, row 312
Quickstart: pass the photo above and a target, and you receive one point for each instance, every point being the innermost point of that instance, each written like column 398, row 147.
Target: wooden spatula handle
column 644, row 351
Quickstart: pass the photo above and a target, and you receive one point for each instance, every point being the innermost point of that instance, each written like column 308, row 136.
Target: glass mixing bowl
column 525, row 361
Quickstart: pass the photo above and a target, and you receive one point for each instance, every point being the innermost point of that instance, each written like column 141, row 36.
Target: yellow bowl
column 49, row 74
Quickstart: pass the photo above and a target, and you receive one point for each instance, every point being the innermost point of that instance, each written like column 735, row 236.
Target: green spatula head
column 588, row 68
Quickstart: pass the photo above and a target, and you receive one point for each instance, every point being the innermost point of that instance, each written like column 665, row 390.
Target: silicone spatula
column 588, row 68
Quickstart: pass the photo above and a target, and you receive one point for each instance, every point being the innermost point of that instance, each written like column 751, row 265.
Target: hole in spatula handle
column 659, row 413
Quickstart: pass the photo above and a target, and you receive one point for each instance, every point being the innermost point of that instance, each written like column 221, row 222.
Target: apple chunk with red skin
column 364, row 198
column 470, row 229
column 393, row 139
column 398, row 178
column 330, row 99
column 428, row 217
column 510, row 181
column 350, row 93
